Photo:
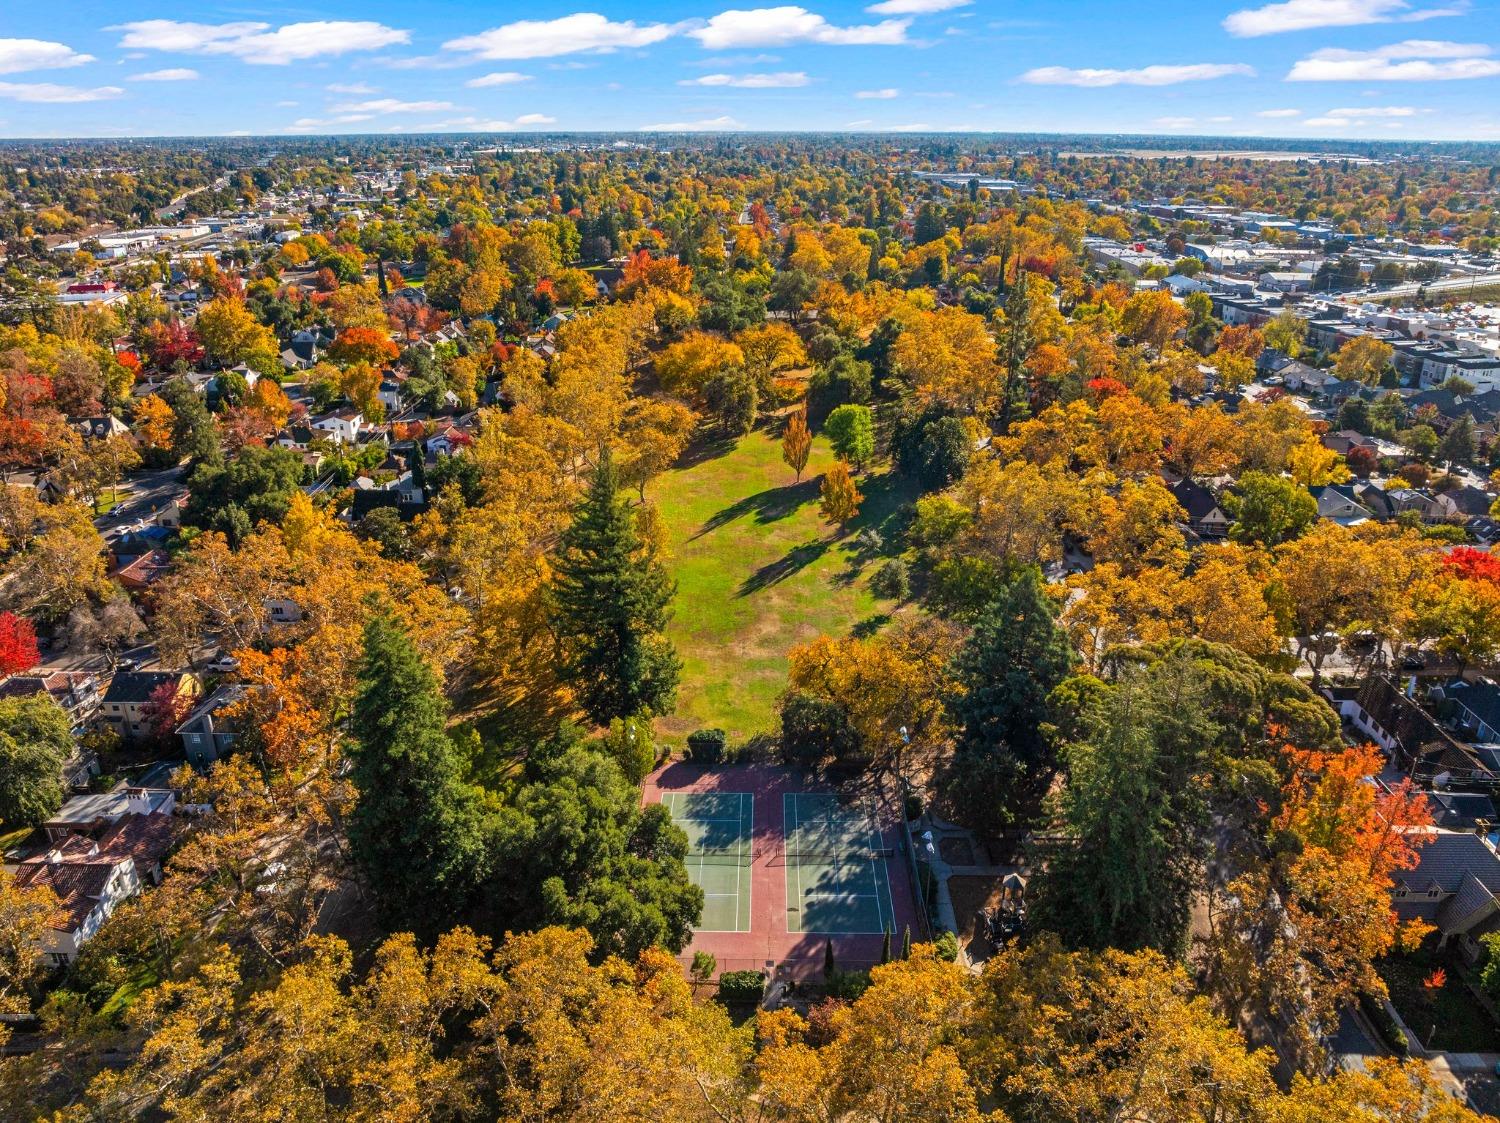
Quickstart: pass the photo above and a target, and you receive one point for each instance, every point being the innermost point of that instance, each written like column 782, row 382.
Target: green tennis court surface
column 836, row 877
column 718, row 826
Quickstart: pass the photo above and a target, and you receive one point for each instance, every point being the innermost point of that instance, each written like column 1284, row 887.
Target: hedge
column 742, row 986
column 707, row 746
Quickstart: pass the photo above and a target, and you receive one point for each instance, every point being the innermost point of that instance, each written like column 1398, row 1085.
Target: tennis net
column 824, row 856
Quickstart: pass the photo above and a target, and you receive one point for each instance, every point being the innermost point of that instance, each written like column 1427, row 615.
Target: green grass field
column 758, row 571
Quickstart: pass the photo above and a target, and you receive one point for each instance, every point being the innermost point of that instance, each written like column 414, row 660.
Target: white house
column 342, row 425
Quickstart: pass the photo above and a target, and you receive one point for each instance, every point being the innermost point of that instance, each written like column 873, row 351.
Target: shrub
column 708, row 746
column 812, row 728
column 1385, row 1025
column 946, row 945
column 892, row 580
column 846, row 985
column 914, row 807
column 742, row 986
column 704, row 966
column 631, row 744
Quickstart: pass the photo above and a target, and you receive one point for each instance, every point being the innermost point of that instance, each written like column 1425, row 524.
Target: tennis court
column 837, row 881
column 718, row 827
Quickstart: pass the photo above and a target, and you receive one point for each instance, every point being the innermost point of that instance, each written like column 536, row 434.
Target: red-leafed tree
column 1476, row 565
column 171, row 342
column 18, row 650
column 1362, row 461
column 165, row 710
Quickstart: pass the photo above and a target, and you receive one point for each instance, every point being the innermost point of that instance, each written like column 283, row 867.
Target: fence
column 919, row 874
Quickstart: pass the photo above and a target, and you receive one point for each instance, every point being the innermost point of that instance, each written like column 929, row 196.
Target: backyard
column 1446, row 1017
column 759, row 571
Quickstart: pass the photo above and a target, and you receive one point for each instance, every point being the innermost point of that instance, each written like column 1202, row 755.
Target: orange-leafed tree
column 364, row 345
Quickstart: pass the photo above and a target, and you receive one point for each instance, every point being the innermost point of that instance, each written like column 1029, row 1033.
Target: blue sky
column 1314, row 68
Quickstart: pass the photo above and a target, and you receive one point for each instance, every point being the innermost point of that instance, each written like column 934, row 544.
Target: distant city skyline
column 1320, row 69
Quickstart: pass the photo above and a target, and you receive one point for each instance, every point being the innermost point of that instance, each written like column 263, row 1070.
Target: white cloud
column 392, row 105
column 915, row 7
column 1145, row 76
column 861, row 123
column 1301, row 15
column 1175, row 122
column 17, row 55
column 920, row 127
column 286, row 104
column 256, row 42
column 880, row 95
column 350, row 88
column 1273, row 113
column 1414, row 60
column 49, row 93
column 781, row 81
column 474, row 124
column 712, row 124
column 1376, row 111
column 173, row 74
column 499, row 78
column 582, row 31
column 778, row 27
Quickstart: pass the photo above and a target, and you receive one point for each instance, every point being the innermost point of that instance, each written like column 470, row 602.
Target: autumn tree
column 796, row 442
column 231, row 335
column 18, row 650
column 653, row 434
column 364, row 345
column 838, row 498
column 1364, row 359
column 1153, row 318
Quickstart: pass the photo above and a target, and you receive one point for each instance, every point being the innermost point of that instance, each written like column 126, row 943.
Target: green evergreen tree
column 35, row 742
column 906, row 943
column 418, row 828
column 885, row 947
column 612, row 601
column 1015, row 657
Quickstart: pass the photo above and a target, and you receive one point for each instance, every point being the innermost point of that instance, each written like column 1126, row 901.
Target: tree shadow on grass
column 767, row 506
column 870, row 625
column 706, row 445
column 773, row 573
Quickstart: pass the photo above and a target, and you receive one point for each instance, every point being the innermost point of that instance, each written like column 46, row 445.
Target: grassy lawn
column 758, row 571
column 12, row 837
column 1448, row 1018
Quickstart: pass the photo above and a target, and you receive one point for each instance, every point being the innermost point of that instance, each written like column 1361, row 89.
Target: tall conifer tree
column 613, row 600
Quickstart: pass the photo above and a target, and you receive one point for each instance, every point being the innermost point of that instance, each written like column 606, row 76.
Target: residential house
column 1455, row 886
column 76, row 692
column 1338, row 503
column 342, row 425
column 98, row 428
column 1204, row 514
column 127, row 705
column 142, row 573
column 92, row 874
column 1475, row 708
column 1467, row 502
column 207, row 734
column 283, row 610
column 1420, row 500
column 1343, row 441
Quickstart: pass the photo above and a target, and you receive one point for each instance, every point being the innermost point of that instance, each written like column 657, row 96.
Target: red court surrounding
column 768, row 945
